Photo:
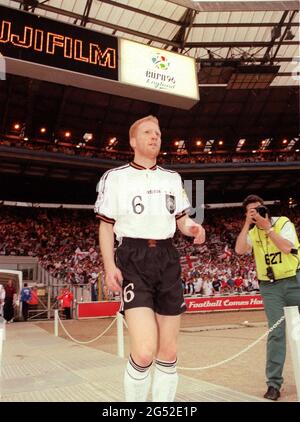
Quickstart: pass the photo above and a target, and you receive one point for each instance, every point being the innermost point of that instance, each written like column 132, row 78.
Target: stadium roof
column 216, row 33
column 198, row 29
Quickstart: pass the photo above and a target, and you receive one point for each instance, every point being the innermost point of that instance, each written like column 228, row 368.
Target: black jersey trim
column 106, row 219
column 139, row 167
column 180, row 215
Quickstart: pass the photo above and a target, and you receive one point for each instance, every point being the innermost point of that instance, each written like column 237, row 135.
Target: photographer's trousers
column 276, row 296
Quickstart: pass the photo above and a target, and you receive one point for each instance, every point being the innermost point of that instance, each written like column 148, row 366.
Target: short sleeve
column 288, row 232
column 106, row 204
column 183, row 200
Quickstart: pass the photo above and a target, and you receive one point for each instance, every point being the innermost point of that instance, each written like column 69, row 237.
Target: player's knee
column 143, row 357
column 167, row 354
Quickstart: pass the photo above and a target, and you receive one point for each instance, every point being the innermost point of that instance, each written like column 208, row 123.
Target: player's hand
column 113, row 279
column 198, row 232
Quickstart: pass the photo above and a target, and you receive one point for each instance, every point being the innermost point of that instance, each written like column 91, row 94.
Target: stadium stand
column 66, row 244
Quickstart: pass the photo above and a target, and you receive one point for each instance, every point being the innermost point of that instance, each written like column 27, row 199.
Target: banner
column 54, row 51
column 97, row 309
column 161, row 70
column 194, row 305
column 223, row 303
column 167, row 77
column 31, row 38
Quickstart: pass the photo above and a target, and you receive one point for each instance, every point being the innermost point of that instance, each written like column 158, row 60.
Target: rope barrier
column 200, row 368
column 214, row 365
column 89, row 341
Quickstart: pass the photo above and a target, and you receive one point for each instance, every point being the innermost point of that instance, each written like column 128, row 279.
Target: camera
column 270, row 274
column 262, row 210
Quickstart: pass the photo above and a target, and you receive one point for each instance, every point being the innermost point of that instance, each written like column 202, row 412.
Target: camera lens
column 262, row 210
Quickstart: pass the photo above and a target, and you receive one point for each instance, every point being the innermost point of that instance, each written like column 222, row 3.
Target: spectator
column 230, row 284
column 238, row 283
column 2, row 298
column 216, row 285
column 66, row 299
column 25, row 297
column 34, row 300
column 9, row 301
column 54, row 236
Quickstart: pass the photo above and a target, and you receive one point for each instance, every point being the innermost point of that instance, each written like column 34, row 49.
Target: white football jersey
column 141, row 203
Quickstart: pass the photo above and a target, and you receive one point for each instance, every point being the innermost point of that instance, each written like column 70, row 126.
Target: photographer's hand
column 250, row 217
column 261, row 222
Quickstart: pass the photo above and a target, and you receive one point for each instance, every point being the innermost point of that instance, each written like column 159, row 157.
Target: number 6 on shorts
column 128, row 293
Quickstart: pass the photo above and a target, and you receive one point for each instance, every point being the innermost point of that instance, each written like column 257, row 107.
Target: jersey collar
column 139, row 167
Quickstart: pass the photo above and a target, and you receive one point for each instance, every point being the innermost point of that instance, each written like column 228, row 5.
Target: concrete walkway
column 39, row 367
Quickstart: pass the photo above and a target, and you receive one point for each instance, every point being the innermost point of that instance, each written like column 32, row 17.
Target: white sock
column 137, row 380
column 165, row 381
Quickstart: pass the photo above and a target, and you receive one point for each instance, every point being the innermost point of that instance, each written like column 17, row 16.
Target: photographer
column 276, row 251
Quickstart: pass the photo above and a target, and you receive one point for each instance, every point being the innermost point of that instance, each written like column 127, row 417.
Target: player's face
column 147, row 140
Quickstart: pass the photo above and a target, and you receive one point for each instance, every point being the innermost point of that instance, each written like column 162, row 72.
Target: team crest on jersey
column 170, row 203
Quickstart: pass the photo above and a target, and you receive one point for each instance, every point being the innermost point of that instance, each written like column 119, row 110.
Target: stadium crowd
column 66, row 244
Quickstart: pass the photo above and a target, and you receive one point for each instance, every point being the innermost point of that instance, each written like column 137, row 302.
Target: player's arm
column 113, row 276
column 106, row 241
column 107, row 210
column 189, row 228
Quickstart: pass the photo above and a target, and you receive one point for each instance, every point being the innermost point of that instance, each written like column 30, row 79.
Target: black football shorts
column 151, row 276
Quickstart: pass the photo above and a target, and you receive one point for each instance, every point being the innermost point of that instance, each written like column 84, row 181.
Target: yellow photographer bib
column 266, row 254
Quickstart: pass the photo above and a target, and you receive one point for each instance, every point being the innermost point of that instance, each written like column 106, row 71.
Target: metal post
column 74, row 303
column 1, row 344
column 56, row 322
column 292, row 318
column 4, row 329
column 100, row 287
column 120, row 335
column 49, row 302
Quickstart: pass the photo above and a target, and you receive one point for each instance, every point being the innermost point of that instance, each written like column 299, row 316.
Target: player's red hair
column 137, row 123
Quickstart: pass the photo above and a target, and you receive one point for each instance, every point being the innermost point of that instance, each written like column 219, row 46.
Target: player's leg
column 165, row 377
column 142, row 327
